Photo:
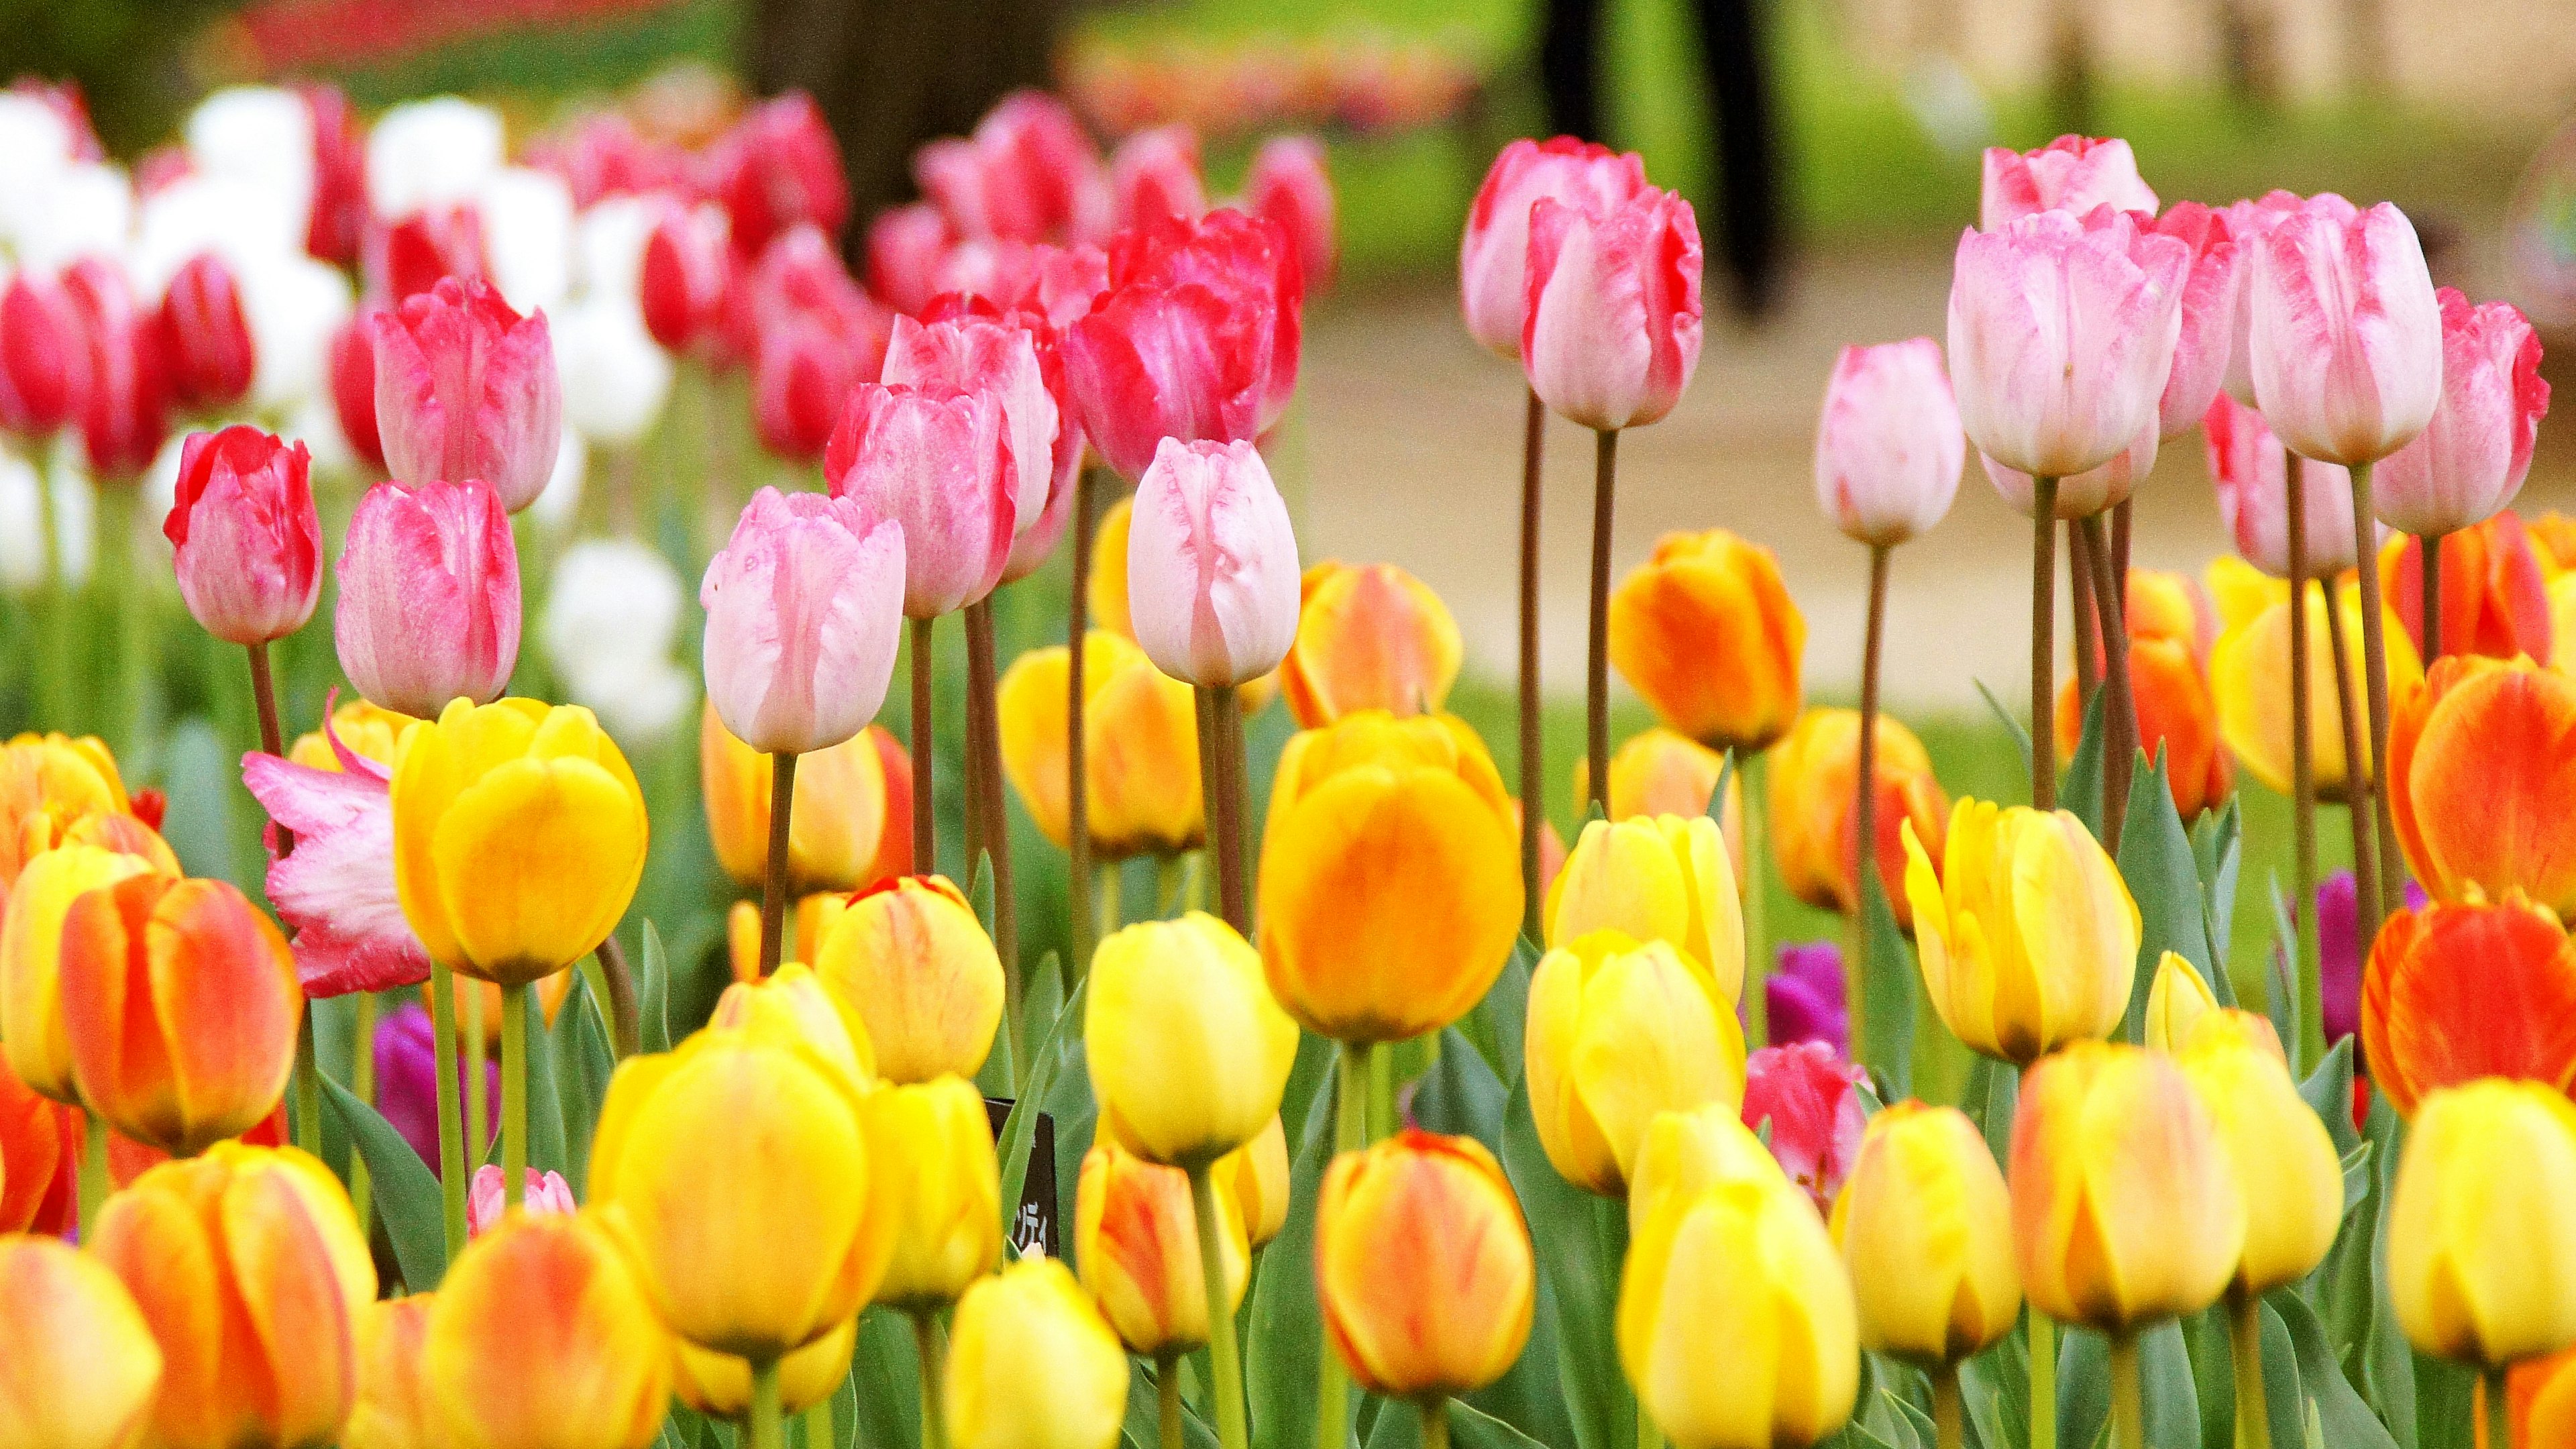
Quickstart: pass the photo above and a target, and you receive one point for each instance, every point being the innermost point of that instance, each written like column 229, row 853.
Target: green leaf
column 1994, row 1390
column 2286, row 1391
column 1284, row 1332
column 653, row 991
column 2446, row 1404
column 2213, row 1366
column 2389, row 1365
column 545, row 1102
column 1043, row 1001
column 1144, row 1427
column 2011, row 723
column 2081, row 791
column 584, row 1061
column 2349, row 1423
column 2280, row 973
column 2328, row 1093
column 1887, row 988
column 1399, row 1426
column 1994, row 1094
column 1499, row 1021
column 1580, row 1241
column 885, row 1362
column 2164, row 1370
column 405, row 1194
column 2164, row 877
column 2218, row 844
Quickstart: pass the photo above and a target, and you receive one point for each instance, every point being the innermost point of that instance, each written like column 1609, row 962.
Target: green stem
column 451, row 1110
column 514, row 1094
column 308, row 1088
column 2128, row 1395
column 1226, row 1367
column 1108, row 904
column 1167, row 1400
column 773, row 881
column 1350, row 1134
column 1596, row 664
column 94, row 1184
column 2431, row 608
column 1171, row 882
column 767, row 1431
column 933, row 1357
column 2245, row 1342
column 2043, row 1381
column 1864, row 809
column 1757, row 944
column 1381, row 1092
column 1435, row 1423
column 1949, row 1428
column 362, row 1080
column 1533, row 773
column 2043, row 666
column 819, row 1432
column 2374, row 660
column 2499, row 1410
column 2309, row 1044
column 1650, row 1435
column 478, row 1086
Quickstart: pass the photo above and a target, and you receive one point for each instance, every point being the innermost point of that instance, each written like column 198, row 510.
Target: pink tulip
column 2211, row 295
column 44, row 362
column 938, row 462
column 1809, row 1095
column 2470, row 460
column 466, row 388
column 971, row 352
column 778, row 169
column 905, row 244
column 1051, row 186
column 1889, row 450
column 685, row 277
column 353, row 385
column 2251, row 469
column 1289, row 184
column 2247, row 222
column 1063, row 283
column 544, row 1192
column 125, row 410
column 2073, row 174
column 429, row 596
column 804, row 612
column 336, row 891
column 1154, row 177
column 801, row 373
column 248, row 544
column 2080, row 495
column 2062, row 334
column 1247, row 259
column 1212, row 579
column 2346, row 343
column 1493, row 252
column 1612, row 331
column 338, row 218
column 205, row 337
column 412, row 255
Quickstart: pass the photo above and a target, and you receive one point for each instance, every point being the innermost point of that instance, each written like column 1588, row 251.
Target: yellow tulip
column 2125, row 1203
column 944, row 1207
column 794, row 1002
column 2250, row 663
column 1619, row 1031
column 1256, row 1174
column 2481, row 1248
column 719, row 1384
column 1136, row 1236
column 2285, row 1162
column 46, row 782
column 1423, row 1266
column 1688, row 1151
column 33, row 1033
column 541, row 1338
column 365, row 729
column 1706, row 633
column 1666, row 879
column 1033, row 1314
column 1390, row 876
column 393, row 1409
column 1108, row 591
column 2028, row 935
column 1188, row 1053
column 1140, row 747
column 77, row 1365
column 850, row 826
column 2177, row 1003
column 809, row 927
column 1735, row 1322
column 519, row 837
column 1661, row 771
column 1369, row 636
column 1926, row 1228
column 912, row 962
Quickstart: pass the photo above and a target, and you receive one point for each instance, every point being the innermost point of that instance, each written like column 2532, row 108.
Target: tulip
column 2177, row 1003
column 2480, row 1248
column 2251, row 469
column 1106, row 593
column 429, row 597
column 353, row 385
column 2080, row 495
column 2029, row 936
column 1689, row 1151
column 2212, row 294
column 2177, row 718
column 806, row 931
column 336, row 893
column 405, row 1047
column 466, row 388
column 2478, row 764
column 1212, row 565
column 910, row 959
column 938, row 462
column 1809, row 1095
column 1140, row 747
column 2495, row 598
column 1423, row 1266
column 2286, row 1165
column 1923, row 1224
column 1136, row 1242
column 2340, row 953
column 802, row 371
column 1814, row 818
column 2126, row 1206
column 1368, row 637
column 1289, row 183
column 2475, row 450
column 205, row 338
column 2457, row 992
column 1706, row 632
column 990, row 354
column 1660, row 772
column 79, row 1366
column 393, row 1409
column 1257, row 1175
column 250, row 1272
column 1493, row 251
column 2073, row 174
column 2251, row 660
column 846, row 827
column 2542, row 1399
column 1620, row 1030
column 49, row 780
column 945, row 1207
column 905, row 245
column 1028, row 173
column 612, row 618
column 1736, row 1320
column 804, row 608
column 777, row 168
column 35, row 1028
column 1390, row 892
column 40, row 1150
column 719, row 1384
column 1032, row 1313
column 1188, row 1052
column 44, row 368
column 1804, row 997
column 1611, row 334
column 125, row 411
column 2346, row 334
column 542, row 1192
column 1154, row 174
column 685, row 276
column 248, row 543
column 793, row 1004
column 583, row 1365
column 1889, row 450
column 1667, row 879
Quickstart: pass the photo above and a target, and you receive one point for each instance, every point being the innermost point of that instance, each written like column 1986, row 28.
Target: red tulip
column 247, row 543
column 205, row 336
column 780, row 168
column 466, row 388
column 2495, row 595
column 801, row 375
column 1028, row 174
column 905, row 244
column 938, row 462
column 1807, row 1092
column 410, row 256
column 1154, row 177
column 685, row 276
column 125, row 413
column 353, row 385
column 1612, row 329
column 338, row 219
column 1289, row 184
column 980, row 351
column 2453, row 993
column 44, row 361
column 40, row 1148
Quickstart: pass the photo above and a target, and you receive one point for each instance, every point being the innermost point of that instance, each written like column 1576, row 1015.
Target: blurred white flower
column 235, row 219
column 22, row 528
column 261, row 136
column 436, row 152
column 294, row 305
column 315, row 422
column 527, row 236
column 612, row 615
column 615, row 376
column 82, row 210
column 612, row 238
column 561, row 498
column 159, row 488
column 35, row 148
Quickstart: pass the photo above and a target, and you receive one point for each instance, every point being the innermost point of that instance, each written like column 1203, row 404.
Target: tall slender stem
column 1224, row 1363
column 2086, row 623
column 819, row 1431
column 1596, row 668
column 2043, row 1381
column 1533, row 767
column 1949, row 1426
column 2374, row 663
column 2120, row 531
column 2245, row 1345
column 1167, row 1400
column 272, row 736
column 2111, row 606
column 2128, row 1395
column 478, row 1084
column 2043, row 653
column 1077, row 783
column 451, row 1111
column 1435, row 1422
column 94, row 1185
column 1755, row 772
column 2310, row 1046
column 514, row 1094
column 933, row 1356
column 1865, row 803
column 308, row 1087
column 2357, row 791
column 1108, row 903
column 1350, row 1134
column 2499, row 1406
column 767, row 1431
column 2431, row 609
column 362, row 1081
column 773, row 881
column 925, row 828
column 986, row 746
column 1234, row 885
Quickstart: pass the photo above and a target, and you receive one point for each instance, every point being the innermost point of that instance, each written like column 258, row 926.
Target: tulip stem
column 1077, row 784
column 1223, row 1361
column 362, row 1080
column 2310, row 1047
column 1167, row 1400
column 985, row 745
column 94, row 1186
column 933, row 1356
column 2087, row 625
column 1108, row 906
column 773, row 881
column 1865, row 804
column 819, row 1430
column 767, row 1432
column 1435, row 1422
column 2374, row 663
column 514, row 1094
column 2429, row 609
column 1381, row 1093
column 272, row 737
column 925, row 828
column 451, row 1110
column 308, row 1087
column 2043, row 663
column 1596, row 666
column 1650, row 1435
column 478, row 1085
column 2128, row 1395
column 1221, row 772
column 1755, row 992
column 1949, row 1428
column 2245, row 1343
column 2357, row 796
column 1350, row 1134
column 2043, row 1381
column 2499, row 1406
column 2110, row 607
column 1533, row 767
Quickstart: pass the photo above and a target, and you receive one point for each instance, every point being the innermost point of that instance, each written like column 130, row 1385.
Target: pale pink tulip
column 1289, row 185
column 336, row 890
column 245, row 540
column 2081, row 495
column 429, row 596
column 2247, row 222
column 2211, row 295
column 1889, row 450
column 2346, row 342
column 466, row 388
column 1493, row 251
column 2073, row 174
column 2470, row 460
column 984, row 351
column 1212, row 579
column 2251, row 470
column 1612, row 331
column 544, row 1192
column 1154, row 176
column 804, row 613
column 938, row 462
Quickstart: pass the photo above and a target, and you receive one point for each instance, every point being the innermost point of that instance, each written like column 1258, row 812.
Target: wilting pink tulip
column 1809, row 1095
column 2081, row 495
column 2346, row 344
column 1154, row 176
column 2073, row 174
column 336, row 889
column 125, row 411
column 2470, row 460
column 1493, row 252
column 2251, row 469
column 205, row 337
column 905, row 244
column 779, row 168
column 1289, row 184
column 544, row 1192
column 1612, row 331
column 1889, row 450
column 466, row 388
column 413, row 254
column 986, row 353
column 685, row 276
column 248, row 544
column 338, row 220
column 1212, row 579
column 429, row 596
column 804, row 613
column 2062, row 333
column 44, row 361
column 938, row 462
column 2211, row 295
column 353, row 385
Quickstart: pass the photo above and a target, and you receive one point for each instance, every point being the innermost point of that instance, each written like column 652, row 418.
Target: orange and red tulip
column 1814, row 820
column 1369, row 636
column 1423, row 1265
column 2495, row 598
column 393, row 1410
column 2453, row 993
column 2542, row 1396
column 2170, row 634
column 2483, row 765
column 542, row 1338
column 1705, row 631
column 78, row 1365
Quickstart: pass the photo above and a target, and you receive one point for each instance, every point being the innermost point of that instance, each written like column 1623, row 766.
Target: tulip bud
column 1368, row 637
column 2168, row 630
column 1289, row 184
column 718, row 1385
column 938, row 462
column 2028, row 934
column 849, row 826
column 1032, row 1313
column 1154, row 175
column 2472, row 456
column 1627, row 269
column 2476, row 763
column 353, row 385
column 2346, row 334
column 486, row 1196
column 40, row 1149
column 1687, row 1151
column 1135, row 1235
column 1810, row 1095
column 804, row 614
column 519, row 837
column 1889, row 451
column 2251, row 470
column 78, row 1364
column 34, row 1030
column 393, row 1409
column 125, row 413
column 2285, row 1163
column 1140, row 747
column 583, row 1365
column 911, row 960
column 1211, row 564
column 205, row 339
column 2126, row 1208
column 1423, row 1266
column 2073, row 174
column 1619, row 1031
column 1188, row 1052
column 944, row 1207
column 685, row 276
column 1924, row 1227
column 429, row 597
column 406, row 1047
column 2177, row 1003
column 1815, row 819
column 1660, row 772
column 1000, row 357
column 1706, row 632
column 1257, row 1175
column 905, row 244
column 1493, row 251
column 2480, row 1247
column 1666, row 879
column 248, row 542
column 2457, row 992
column 1804, row 996
column 268, row 1234
column 466, row 388
column 44, row 365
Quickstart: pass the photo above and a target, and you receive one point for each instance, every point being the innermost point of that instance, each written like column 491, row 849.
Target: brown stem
column 2310, row 1046
column 1596, row 679
column 2088, row 626
column 2357, row 792
column 2119, row 762
column 1234, row 879
column 1865, row 806
column 272, row 737
column 773, row 881
column 1077, row 783
column 986, row 749
column 2374, row 663
column 625, row 1011
column 2120, row 531
column 2432, row 606
column 2043, row 642
column 925, row 828
column 1533, row 766
column 1210, row 793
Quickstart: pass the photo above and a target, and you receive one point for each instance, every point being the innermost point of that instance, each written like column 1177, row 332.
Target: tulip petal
column 535, row 862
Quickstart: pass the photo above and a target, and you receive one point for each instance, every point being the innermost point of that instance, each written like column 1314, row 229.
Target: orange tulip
column 2553, row 542
column 393, row 1395
column 1814, row 822
column 77, row 1364
column 2495, row 597
column 47, row 781
column 1369, row 636
column 128, row 1159
column 542, row 1338
column 1660, row 772
column 2542, row 1394
column 183, row 1008
column 1708, row 634
column 40, row 1148
column 852, row 817
column 811, row 923
column 1140, row 747
column 2452, row 993
column 1423, row 1266
column 2484, row 763
column 1136, row 1238
column 2170, row 633
column 365, row 729
column 33, row 1034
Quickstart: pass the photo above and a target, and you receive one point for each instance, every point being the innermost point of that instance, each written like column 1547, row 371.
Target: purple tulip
column 407, row 1081
column 2340, row 953
column 1805, row 996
